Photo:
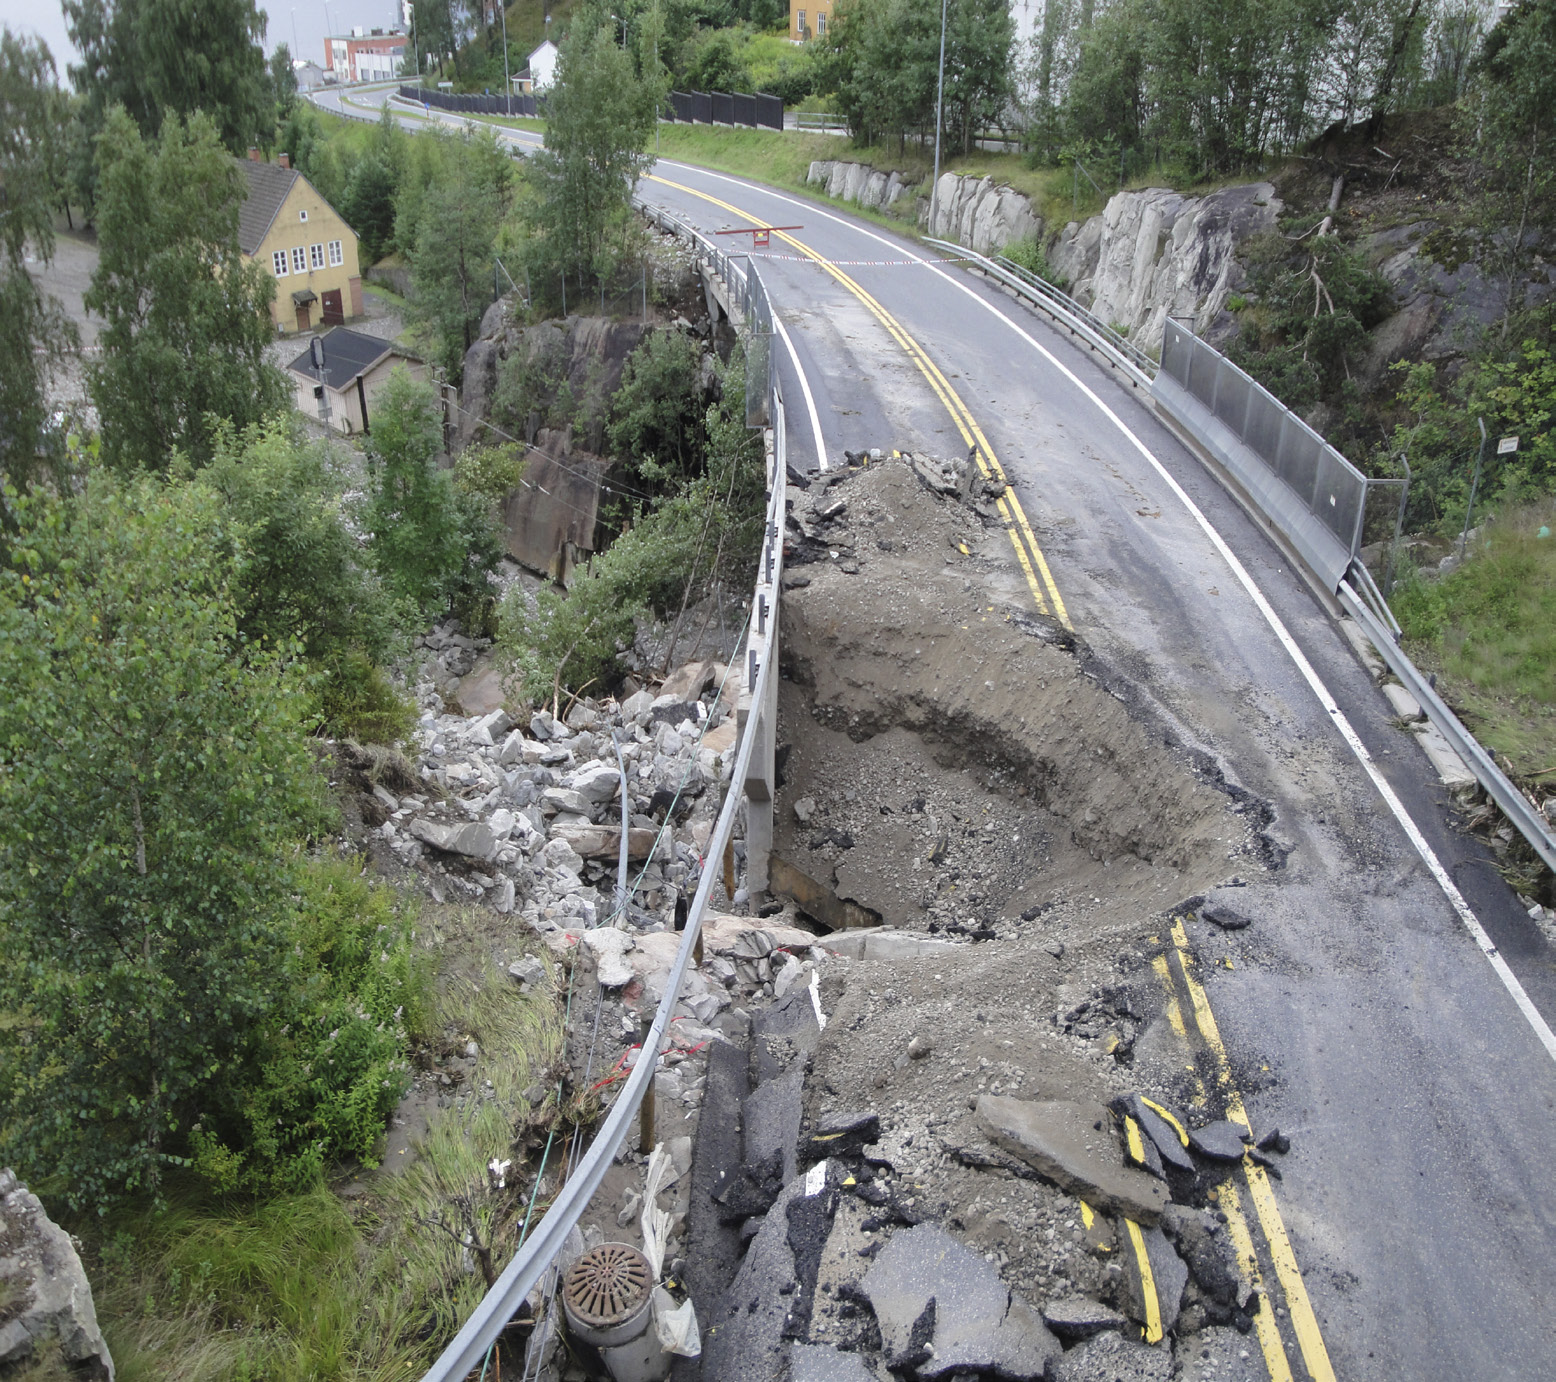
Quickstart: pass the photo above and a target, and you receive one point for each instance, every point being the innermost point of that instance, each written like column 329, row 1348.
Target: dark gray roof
column 268, row 184
column 347, row 354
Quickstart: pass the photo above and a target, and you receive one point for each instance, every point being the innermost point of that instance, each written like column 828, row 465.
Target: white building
column 542, row 66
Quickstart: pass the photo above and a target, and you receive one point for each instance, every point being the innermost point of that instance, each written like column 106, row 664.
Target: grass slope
column 1488, row 629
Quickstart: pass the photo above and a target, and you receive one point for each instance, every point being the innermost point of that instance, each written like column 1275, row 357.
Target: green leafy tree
column 283, row 82
column 368, row 206
column 153, row 771
column 884, row 56
column 35, row 334
column 186, row 319
column 158, row 58
column 301, row 575
column 434, row 544
column 598, row 124
column 656, row 419
column 457, row 216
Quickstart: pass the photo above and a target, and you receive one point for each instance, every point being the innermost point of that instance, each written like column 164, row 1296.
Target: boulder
column 1073, row 1146
column 689, row 682
column 604, row 841
column 474, row 840
column 44, row 1289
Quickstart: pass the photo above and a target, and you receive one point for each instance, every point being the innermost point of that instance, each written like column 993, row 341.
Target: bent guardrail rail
column 750, row 785
column 1311, row 495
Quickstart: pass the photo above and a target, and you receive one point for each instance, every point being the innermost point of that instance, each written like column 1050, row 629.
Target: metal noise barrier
column 467, row 1349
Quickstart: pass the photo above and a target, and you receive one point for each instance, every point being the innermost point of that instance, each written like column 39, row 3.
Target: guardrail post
column 646, row 1108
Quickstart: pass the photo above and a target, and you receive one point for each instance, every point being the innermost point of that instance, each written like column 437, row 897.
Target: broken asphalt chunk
column 823, row 1363
column 1226, row 918
column 943, row 1309
column 844, row 1134
column 1110, row 1357
column 1220, row 1141
column 1274, row 1141
column 1078, row 1317
column 1160, row 1127
column 1072, row 1145
column 1156, row 1285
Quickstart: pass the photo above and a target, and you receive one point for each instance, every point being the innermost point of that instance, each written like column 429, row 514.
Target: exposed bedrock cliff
column 1157, row 253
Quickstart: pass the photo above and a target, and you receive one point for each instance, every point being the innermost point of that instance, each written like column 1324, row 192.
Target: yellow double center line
column 1304, row 1324
column 1033, row 564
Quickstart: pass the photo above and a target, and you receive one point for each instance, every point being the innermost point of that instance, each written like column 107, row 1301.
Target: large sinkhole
column 948, row 760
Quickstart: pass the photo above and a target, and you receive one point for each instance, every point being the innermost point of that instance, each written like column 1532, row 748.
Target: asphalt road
column 1358, row 1013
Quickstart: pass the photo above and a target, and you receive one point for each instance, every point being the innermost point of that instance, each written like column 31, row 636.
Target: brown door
column 302, row 316
column 334, row 313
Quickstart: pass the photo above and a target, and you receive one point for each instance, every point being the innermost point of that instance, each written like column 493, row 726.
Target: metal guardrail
column 1097, row 334
column 1311, row 494
column 759, row 670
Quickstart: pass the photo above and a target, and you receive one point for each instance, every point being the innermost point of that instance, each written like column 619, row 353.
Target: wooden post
column 646, row 1108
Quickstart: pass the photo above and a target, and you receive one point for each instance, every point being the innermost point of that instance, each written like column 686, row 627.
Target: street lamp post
column 934, row 190
column 507, row 81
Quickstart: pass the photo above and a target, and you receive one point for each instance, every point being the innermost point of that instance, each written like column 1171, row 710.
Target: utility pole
column 507, row 81
column 934, row 190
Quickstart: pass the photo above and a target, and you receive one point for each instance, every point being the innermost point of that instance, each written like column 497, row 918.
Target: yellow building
column 300, row 240
column 806, row 21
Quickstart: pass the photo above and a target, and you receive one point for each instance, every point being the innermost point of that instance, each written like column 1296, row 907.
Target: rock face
column 972, row 211
column 1156, row 253
column 44, row 1294
column 977, row 213
column 856, row 182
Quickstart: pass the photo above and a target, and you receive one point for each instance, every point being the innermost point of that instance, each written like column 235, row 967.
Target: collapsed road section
column 951, row 1120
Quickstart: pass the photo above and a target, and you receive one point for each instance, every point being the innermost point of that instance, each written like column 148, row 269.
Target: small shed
column 356, row 369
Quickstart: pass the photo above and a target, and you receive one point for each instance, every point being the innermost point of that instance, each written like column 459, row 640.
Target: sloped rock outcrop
column 980, row 214
column 1156, row 253
column 44, row 1293
column 857, row 182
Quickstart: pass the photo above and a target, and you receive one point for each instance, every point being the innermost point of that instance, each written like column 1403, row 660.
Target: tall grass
column 1489, row 629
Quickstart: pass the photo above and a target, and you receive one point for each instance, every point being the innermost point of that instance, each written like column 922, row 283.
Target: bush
column 331, row 1065
column 357, row 701
column 1030, row 256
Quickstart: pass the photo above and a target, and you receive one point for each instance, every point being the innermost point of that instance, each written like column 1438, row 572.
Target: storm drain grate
column 606, row 1285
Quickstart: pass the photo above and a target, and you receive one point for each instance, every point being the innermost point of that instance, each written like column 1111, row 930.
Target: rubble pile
column 526, row 818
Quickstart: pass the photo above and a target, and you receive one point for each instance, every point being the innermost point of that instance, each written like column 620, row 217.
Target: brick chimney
column 285, row 160
column 253, row 154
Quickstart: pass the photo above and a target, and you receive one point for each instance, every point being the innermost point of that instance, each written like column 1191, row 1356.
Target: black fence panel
column 723, row 108
column 745, row 109
column 681, row 103
column 702, row 108
column 769, row 112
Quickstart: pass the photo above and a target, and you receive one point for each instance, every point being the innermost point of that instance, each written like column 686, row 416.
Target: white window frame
column 299, row 260
column 337, row 254
column 316, row 256
column 278, row 263
column 800, row 22
column 821, row 24
column 303, row 214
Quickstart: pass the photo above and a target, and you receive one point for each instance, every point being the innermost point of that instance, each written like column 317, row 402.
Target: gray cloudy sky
column 45, row 19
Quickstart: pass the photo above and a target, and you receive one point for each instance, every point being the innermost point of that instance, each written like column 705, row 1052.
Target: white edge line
column 810, row 401
column 1450, row 889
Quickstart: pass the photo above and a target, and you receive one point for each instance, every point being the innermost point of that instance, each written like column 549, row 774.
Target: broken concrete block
column 1110, row 1357
column 882, row 943
column 942, row 1309
column 1072, row 1145
column 609, row 948
column 1078, row 1317
column 473, row 841
column 688, row 682
column 1153, row 1302
column 723, row 936
column 1220, row 1141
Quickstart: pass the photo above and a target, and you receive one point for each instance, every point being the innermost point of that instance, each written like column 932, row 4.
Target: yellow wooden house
column 300, row 240
column 806, row 21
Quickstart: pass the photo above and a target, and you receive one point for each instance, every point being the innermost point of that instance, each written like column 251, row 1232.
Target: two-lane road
column 1422, row 1103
